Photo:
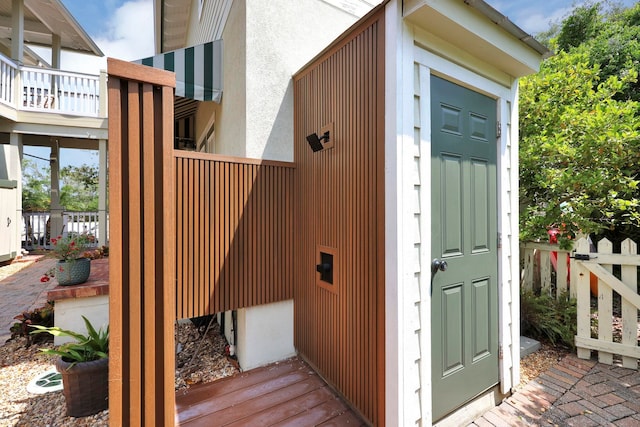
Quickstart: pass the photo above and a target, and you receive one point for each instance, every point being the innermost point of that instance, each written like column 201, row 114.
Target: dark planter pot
column 85, row 386
column 73, row 272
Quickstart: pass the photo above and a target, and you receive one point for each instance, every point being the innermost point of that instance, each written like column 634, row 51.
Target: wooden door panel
column 464, row 234
column 452, row 198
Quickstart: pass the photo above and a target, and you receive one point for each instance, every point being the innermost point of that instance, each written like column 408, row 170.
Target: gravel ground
column 536, row 363
column 20, row 363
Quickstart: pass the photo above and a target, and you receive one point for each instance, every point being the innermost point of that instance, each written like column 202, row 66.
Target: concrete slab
column 528, row 346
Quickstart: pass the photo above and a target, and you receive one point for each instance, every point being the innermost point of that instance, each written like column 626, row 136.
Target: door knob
column 438, row 265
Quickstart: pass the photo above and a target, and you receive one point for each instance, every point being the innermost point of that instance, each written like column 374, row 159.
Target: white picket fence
column 36, row 233
column 549, row 269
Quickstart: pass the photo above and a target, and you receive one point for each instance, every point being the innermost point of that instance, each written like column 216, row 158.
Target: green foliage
column 42, row 316
column 581, row 25
column 610, row 36
column 544, row 317
column 579, row 149
column 93, row 346
column 79, row 188
column 72, row 246
column 36, row 188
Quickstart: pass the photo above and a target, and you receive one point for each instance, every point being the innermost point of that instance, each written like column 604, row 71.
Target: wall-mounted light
column 315, row 142
column 326, row 141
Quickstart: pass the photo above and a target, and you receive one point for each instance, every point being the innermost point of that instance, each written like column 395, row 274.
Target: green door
column 464, row 304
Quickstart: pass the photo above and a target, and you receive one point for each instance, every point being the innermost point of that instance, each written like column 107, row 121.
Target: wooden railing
column 49, row 90
column 8, row 72
column 60, row 91
column 609, row 278
column 234, row 223
column 36, row 233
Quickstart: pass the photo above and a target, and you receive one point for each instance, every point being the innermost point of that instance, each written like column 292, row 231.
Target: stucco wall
column 265, row 43
column 282, row 36
column 265, row 334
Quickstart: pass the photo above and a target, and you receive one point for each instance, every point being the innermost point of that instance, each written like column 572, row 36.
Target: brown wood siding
column 234, row 233
column 339, row 328
column 141, row 267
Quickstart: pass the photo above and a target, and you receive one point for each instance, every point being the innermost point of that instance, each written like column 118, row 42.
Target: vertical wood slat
column 605, row 305
column 142, row 297
column 117, row 392
column 165, row 265
column 148, row 229
column 230, row 252
column 629, row 277
column 582, row 293
column 134, row 248
column 340, row 208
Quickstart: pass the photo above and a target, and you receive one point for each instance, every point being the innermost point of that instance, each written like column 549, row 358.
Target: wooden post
column 605, row 305
column 582, row 292
column 629, row 311
column 142, row 245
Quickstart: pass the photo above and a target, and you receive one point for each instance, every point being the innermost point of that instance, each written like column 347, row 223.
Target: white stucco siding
column 231, row 119
column 265, row 43
column 282, row 36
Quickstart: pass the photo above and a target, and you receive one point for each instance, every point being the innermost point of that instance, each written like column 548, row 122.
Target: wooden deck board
column 287, row 393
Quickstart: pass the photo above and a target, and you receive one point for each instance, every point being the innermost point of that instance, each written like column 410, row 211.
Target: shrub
column 42, row 316
column 545, row 317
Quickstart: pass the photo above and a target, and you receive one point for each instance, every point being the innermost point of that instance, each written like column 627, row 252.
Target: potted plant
column 73, row 265
column 84, row 366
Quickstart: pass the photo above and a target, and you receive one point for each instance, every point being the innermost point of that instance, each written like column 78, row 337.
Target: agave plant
column 93, row 346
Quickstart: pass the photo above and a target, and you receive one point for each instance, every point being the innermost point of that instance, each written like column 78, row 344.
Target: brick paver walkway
column 574, row 392
column 23, row 291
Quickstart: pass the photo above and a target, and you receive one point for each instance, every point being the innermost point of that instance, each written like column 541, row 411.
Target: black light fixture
column 315, row 142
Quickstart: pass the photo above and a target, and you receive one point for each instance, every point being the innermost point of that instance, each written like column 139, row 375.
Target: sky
column 124, row 29
column 535, row 16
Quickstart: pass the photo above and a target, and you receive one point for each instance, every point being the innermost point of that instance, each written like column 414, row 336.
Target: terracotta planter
column 73, row 272
column 85, row 386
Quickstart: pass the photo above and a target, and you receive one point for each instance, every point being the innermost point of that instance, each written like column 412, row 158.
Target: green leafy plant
column 93, row 346
column 42, row 316
column 580, row 128
column 545, row 317
column 71, row 247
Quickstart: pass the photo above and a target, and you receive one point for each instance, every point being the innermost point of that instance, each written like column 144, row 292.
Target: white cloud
column 535, row 21
column 129, row 31
column 129, row 36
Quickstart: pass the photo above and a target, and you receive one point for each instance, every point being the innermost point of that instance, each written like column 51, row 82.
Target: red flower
column 44, row 279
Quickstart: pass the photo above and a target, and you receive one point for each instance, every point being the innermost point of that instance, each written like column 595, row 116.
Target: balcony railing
column 48, row 90
column 36, row 232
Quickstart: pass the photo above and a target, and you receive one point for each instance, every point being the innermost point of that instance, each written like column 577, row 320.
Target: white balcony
column 45, row 90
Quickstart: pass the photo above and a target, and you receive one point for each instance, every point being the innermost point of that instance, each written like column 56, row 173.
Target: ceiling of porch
column 42, row 19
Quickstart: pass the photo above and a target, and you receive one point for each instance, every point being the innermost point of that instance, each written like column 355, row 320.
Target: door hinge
column 499, row 240
column 498, row 130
